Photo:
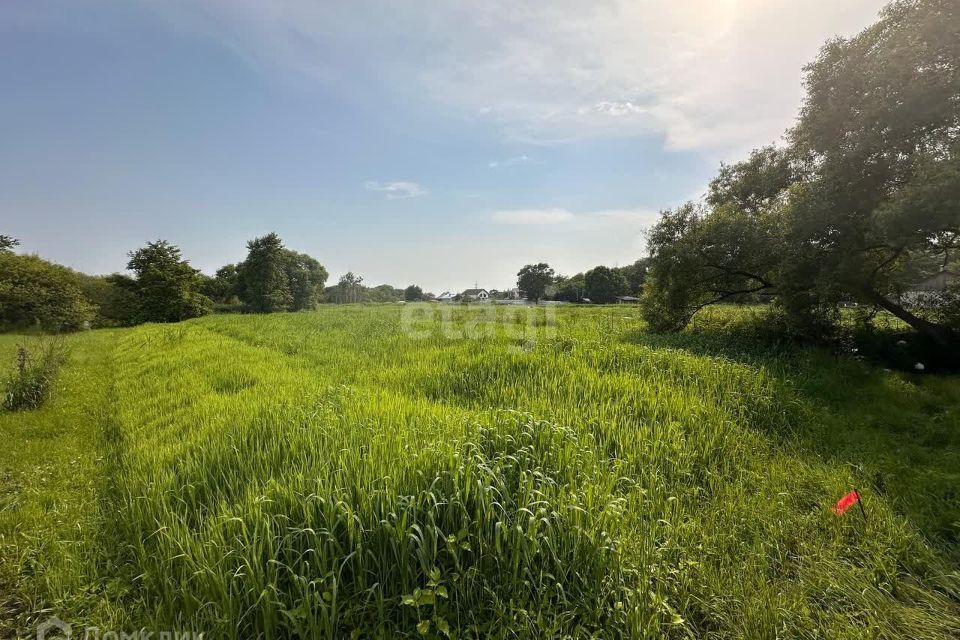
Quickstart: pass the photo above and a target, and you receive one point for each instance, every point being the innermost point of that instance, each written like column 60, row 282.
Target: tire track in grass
column 51, row 515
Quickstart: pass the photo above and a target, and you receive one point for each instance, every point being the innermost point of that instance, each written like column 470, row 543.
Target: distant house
column 925, row 289
column 446, row 296
column 475, row 294
column 627, row 300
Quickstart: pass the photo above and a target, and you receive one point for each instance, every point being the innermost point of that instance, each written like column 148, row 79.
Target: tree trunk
column 941, row 335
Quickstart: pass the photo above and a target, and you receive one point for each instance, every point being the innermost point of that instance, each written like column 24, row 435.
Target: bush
column 37, row 293
column 29, row 386
column 943, row 307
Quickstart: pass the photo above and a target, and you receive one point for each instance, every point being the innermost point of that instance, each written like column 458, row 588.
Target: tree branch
column 728, row 294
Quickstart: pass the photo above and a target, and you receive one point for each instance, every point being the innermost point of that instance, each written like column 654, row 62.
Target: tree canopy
column 263, row 284
column 413, row 293
column 349, row 289
column 274, row 278
column 224, row 286
column 533, row 280
column 167, row 287
column 861, row 201
column 635, row 275
column 572, row 289
column 37, row 293
column 604, row 284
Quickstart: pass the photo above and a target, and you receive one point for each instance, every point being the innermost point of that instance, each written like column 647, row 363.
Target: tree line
column 600, row 285
column 161, row 286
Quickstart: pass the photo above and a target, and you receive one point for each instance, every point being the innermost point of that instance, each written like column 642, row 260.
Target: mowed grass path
column 52, row 518
column 395, row 472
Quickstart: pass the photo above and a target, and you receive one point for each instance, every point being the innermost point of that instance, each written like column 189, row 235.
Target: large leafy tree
column 349, row 289
column 274, row 278
column 413, row 293
column 878, row 139
column 167, row 287
column 862, row 201
column 307, row 278
column 533, row 280
column 263, row 283
column 604, row 284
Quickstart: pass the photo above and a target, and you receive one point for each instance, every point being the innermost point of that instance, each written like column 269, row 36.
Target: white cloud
column 509, row 162
column 702, row 74
column 623, row 108
column 396, row 190
column 713, row 73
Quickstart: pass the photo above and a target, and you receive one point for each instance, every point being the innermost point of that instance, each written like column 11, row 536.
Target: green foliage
column 572, row 289
column 41, row 294
column 635, row 275
column 274, row 278
column 944, row 306
column 263, row 283
column 701, row 257
column 54, row 531
column 382, row 293
column 167, row 288
column 115, row 299
column 349, row 289
column 859, row 206
column 29, row 386
column 392, row 487
column 413, row 293
column 604, row 284
column 533, row 280
column 757, row 183
column 306, row 277
column 600, row 482
column 224, row 286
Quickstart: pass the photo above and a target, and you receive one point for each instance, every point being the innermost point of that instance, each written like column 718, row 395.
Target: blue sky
column 410, row 142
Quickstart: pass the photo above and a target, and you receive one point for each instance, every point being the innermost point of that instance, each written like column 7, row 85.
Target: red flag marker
column 846, row 502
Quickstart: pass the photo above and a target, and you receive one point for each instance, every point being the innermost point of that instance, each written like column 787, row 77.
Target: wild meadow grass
column 52, row 520
column 30, row 383
column 386, row 471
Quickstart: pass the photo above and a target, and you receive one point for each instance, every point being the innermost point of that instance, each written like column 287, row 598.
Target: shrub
column 37, row 293
column 944, row 306
column 29, row 386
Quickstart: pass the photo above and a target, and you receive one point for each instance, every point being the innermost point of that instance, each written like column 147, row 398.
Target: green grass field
column 382, row 471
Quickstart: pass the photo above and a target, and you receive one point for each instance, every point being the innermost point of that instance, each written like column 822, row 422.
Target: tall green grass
column 33, row 377
column 55, row 533
column 328, row 475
